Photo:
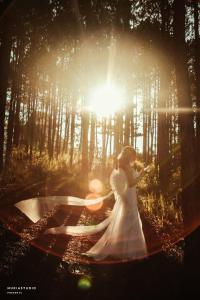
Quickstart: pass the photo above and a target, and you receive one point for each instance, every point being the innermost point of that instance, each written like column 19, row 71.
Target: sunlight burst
column 106, row 100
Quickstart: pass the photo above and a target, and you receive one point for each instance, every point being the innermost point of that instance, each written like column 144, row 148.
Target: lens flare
column 94, row 207
column 96, row 186
column 85, row 283
column 59, row 246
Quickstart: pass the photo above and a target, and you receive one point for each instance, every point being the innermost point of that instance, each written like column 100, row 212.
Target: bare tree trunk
column 116, row 136
column 84, row 127
column 72, row 134
column 185, row 120
column 104, row 142
column 144, row 121
column 10, row 124
column 197, row 74
column 66, row 134
column 4, row 62
column 92, row 140
column 163, row 128
column 127, row 124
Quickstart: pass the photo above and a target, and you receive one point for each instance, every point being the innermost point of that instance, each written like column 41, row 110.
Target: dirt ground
column 167, row 274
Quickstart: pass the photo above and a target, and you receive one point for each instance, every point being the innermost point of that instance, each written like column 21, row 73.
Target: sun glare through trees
column 80, row 80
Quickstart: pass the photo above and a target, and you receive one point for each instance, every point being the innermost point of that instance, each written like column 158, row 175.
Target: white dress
column 123, row 237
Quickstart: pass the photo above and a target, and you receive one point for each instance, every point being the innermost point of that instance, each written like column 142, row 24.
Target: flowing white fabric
column 123, row 237
column 36, row 208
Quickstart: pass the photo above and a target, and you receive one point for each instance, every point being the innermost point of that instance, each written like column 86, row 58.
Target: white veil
column 37, row 208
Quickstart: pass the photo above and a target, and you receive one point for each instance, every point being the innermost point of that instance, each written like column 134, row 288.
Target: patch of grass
column 40, row 176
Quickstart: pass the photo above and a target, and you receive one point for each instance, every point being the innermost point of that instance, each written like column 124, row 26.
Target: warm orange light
column 94, row 207
column 105, row 100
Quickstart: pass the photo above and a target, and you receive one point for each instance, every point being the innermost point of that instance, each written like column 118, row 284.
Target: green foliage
column 152, row 202
column 166, row 210
column 149, row 182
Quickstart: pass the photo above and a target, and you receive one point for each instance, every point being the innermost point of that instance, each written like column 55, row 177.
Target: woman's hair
column 125, row 156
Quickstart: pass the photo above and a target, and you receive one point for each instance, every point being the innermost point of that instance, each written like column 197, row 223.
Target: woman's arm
column 133, row 180
column 118, row 182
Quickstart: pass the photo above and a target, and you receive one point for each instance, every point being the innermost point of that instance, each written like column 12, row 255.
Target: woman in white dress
column 123, row 237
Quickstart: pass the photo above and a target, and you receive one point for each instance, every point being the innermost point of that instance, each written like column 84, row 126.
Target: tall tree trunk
column 10, row 125
column 163, row 132
column 72, row 134
column 104, row 142
column 84, row 127
column 116, row 136
column 92, row 140
column 185, row 119
column 127, row 124
column 4, row 62
column 144, row 121
column 197, row 74
column 163, row 129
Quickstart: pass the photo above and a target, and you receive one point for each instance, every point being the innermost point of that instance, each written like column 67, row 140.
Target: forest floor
column 26, row 259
